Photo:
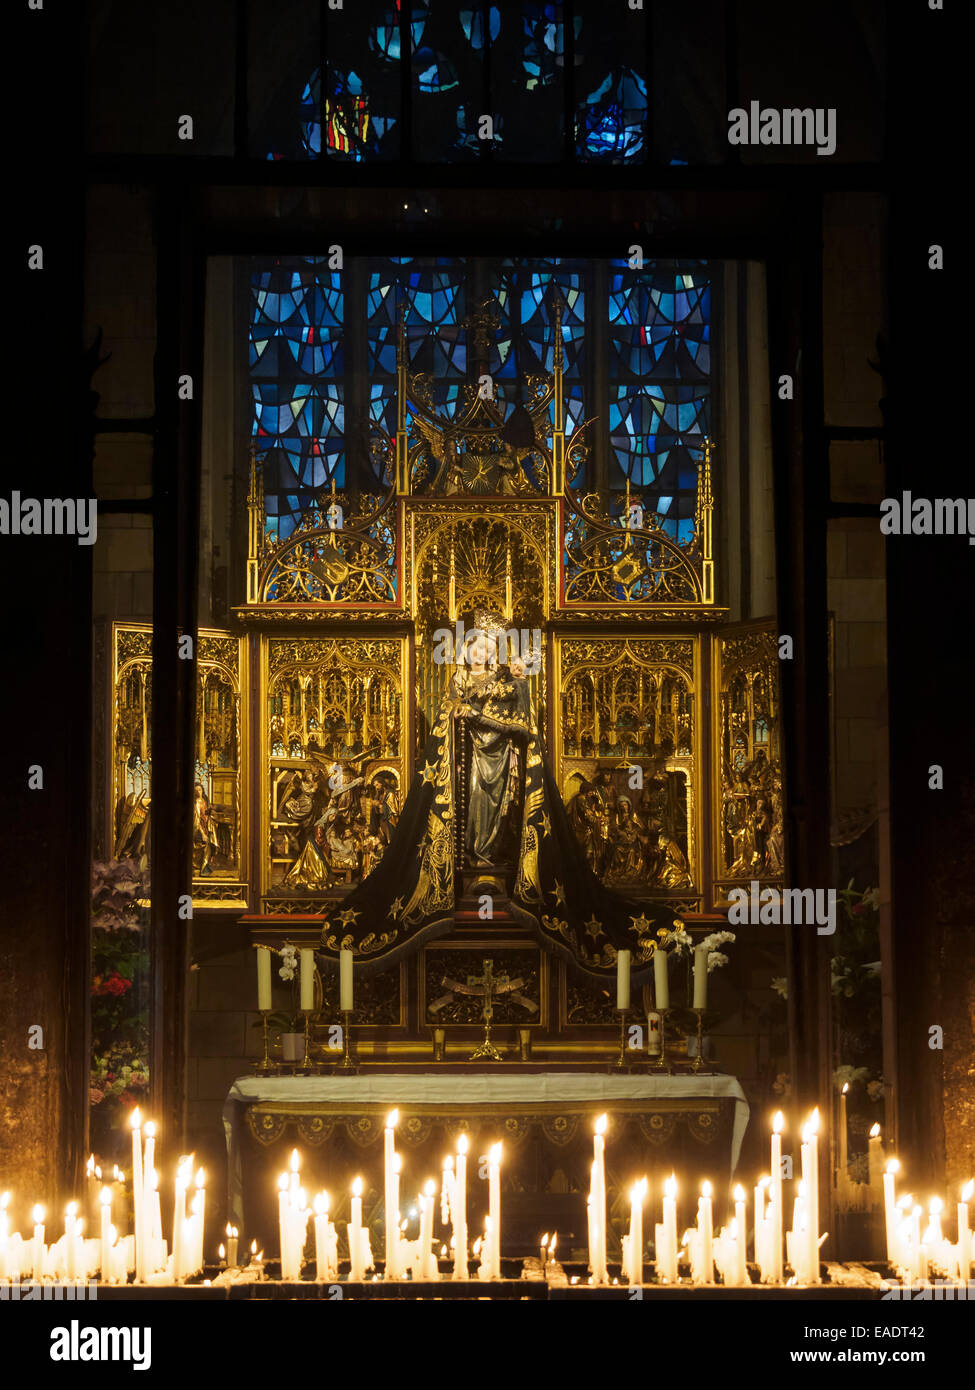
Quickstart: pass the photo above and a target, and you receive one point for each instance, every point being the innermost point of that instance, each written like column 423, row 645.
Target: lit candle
column 105, row 1205
column 665, row 1235
column 494, row 1209
column 634, row 1238
column 394, row 1263
column 198, row 1211
column 964, row 1233
column 263, row 979
column 427, row 1261
column 356, row 1266
column 597, row 1194
column 38, row 1250
column 705, row 1237
column 458, row 1209
column 875, row 1159
column 740, row 1272
column 761, row 1230
column 701, row 954
column 933, row 1237
column 325, row 1267
column 232, row 1235
column 810, row 1176
column 775, row 1204
column 307, row 978
column 890, row 1209
column 661, row 984
column 446, row 1186
column 622, row 979
column 345, row 981
column 543, row 1251
column 138, row 1213
column 391, row 1207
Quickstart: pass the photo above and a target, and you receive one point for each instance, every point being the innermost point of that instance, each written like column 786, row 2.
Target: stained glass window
column 297, row 374
column 659, row 387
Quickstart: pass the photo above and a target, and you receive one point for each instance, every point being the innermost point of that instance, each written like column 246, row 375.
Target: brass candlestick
column 347, row 1061
column 266, row 1065
column 307, row 1064
column 439, row 1043
column 698, row 1062
column 621, row 1059
column 659, row 1063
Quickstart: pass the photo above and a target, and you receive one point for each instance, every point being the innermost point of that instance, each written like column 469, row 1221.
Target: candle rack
column 347, row 1062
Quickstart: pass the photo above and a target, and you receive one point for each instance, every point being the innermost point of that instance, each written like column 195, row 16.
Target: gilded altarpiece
column 747, row 798
column 219, row 762
column 335, row 762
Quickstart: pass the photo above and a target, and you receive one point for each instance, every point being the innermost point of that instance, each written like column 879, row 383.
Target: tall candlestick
column 263, row 979
column 494, row 1209
column 345, row 981
column 622, row 979
column 356, row 1265
column 775, row 1212
column 458, row 1209
column 810, row 1176
column 390, row 1187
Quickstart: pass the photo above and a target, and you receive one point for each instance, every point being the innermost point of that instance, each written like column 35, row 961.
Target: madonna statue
column 484, row 805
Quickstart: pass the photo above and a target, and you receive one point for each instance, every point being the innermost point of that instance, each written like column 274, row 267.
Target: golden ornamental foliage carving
column 750, row 830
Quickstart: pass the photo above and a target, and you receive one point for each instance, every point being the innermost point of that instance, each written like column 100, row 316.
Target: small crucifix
column 488, row 985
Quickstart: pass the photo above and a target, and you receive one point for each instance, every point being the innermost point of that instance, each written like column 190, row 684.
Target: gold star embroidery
column 559, row 893
column 546, row 824
column 429, row 773
column 593, row 928
column 395, row 908
column 347, row 918
column 641, row 924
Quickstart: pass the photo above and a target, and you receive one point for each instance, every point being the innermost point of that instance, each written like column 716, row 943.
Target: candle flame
column 764, row 1182
column 935, row 1205
column 357, row 1187
column 283, row 1183
column 670, row 1186
column 705, row 1188
column 37, row 1214
column 392, row 1119
column 151, row 1129
column 874, row 1131
column 846, row 1087
column 90, row 1165
column 105, row 1196
column 778, row 1122
column 321, row 1203
column 135, row 1119
column 893, row 1166
column 494, row 1155
column 429, row 1188
column 71, row 1211
column 253, row 1247
column 201, row 1178
column 476, row 1246
column 221, row 1252
column 462, row 1143
column 601, row 1124
column 739, row 1194
column 968, row 1190
column 229, row 1230
column 552, row 1244
column 295, row 1161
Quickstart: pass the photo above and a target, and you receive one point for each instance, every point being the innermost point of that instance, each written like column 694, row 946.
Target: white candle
column 394, row 1263
column 964, row 1233
column 661, row 984
column 446, row 1186
column 665, row 1235
column 198, row 1210
column 38, row 1249
column 105, row 1206
column 597, row 1193
column 810, row 1177
column 634, row 1238
column 263, row 979
column 427, row 1262
column 458, row 1209
column 494, row 1209
column 307, row 999
column 741, row 1268
column 890, row 1209
column 762, row 1251
column 622, row 979
column 345, row 981
column 701, row 954
column 356, row 1266
column 324, row 1268
column 232, row 1237
column 70, row 1251
column 875, row 1159
column 775, row 1204
column 179, row 1219
column 138, row 1213
column 283, row 1223
column 705, row 1235
column 391, row 1206
column 5, row 1256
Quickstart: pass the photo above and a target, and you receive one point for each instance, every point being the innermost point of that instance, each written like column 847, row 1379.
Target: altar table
column 430, row 1094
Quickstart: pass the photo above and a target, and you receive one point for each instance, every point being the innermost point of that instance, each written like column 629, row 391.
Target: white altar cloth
column 468, row 1091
